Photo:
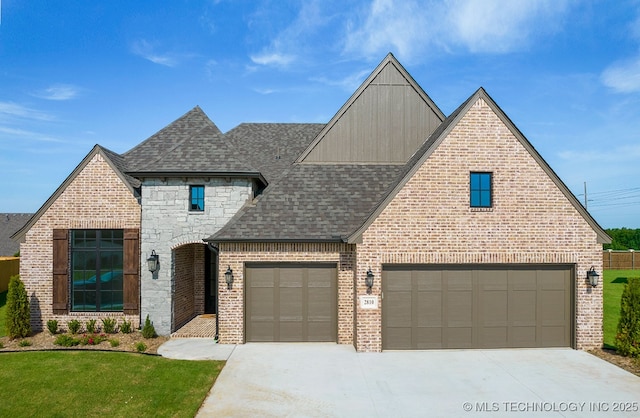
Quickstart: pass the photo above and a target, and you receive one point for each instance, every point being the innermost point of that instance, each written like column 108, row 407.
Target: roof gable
column 111, row 158
column 385, row 121
column 422, row 155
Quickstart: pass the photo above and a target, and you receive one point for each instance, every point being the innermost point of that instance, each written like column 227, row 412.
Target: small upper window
column 480, row 190
column 196, row 198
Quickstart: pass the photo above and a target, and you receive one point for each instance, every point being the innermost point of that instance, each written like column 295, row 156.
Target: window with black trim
column 97, row 258
column 196, row 198
column 480, row 190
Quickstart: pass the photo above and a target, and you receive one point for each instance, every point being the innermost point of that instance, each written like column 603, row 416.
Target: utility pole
column 585, row 195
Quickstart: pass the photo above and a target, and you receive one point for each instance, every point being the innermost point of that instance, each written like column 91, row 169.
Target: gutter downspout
column 215, row 250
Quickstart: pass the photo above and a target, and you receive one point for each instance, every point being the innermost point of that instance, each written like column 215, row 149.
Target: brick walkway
column 202, row 326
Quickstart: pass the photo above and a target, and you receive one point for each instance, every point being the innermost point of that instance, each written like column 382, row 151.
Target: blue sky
column 73, row 74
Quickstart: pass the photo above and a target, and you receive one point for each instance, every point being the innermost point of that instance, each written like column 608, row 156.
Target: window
column 480, row 190
column 97, row 270
column 196, row 198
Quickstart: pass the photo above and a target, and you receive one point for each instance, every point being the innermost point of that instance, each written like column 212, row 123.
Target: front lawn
column 3, row 311
column 87, row 383
column 613, row 282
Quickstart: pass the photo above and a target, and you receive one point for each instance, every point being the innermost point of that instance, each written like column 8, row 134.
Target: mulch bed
column 44, row 341
column 629, row 364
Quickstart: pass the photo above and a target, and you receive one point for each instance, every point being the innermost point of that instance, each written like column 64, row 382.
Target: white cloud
column 14, row 110
column 623, row 76
column 58, row 92
column 13, row 134
column 349, row 83
column 146, row 50
column 498, row 26
column 411, row 28
column 273, row 58
column 613, row 155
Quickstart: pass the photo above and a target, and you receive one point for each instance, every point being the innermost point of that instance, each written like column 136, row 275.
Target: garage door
column 291, row 302
column 476, row 307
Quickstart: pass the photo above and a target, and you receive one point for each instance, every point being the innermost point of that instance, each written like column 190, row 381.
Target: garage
column 291, row 302
column 476, row 306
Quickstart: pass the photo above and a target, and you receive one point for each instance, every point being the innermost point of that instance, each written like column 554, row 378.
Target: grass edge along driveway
column 114, row 384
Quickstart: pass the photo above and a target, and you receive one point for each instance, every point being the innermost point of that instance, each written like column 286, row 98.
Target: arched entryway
column 194, row 302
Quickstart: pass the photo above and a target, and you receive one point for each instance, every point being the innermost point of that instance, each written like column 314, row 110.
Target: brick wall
column 95, row 199
column 430, row 221
column 183, row 301
column 235, row 255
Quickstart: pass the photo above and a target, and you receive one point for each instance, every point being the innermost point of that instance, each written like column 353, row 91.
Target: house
column 392, row 226
column 9, row 224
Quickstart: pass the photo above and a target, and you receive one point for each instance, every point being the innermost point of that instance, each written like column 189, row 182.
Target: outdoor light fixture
column 369, row 280
column 593, row 277
column 228, row 277
column 152, row 261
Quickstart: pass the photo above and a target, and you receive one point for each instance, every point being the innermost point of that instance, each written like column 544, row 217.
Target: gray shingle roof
column 272, row 147
column 144, row 156
column 10, row 223
column 312, row 203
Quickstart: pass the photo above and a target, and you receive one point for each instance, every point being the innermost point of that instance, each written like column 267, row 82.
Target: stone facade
column 235, row 255
column 96, row 198
column 167, row 225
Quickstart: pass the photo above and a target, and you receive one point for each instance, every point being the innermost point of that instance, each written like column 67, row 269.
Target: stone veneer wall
column 95, row 199
column 235, row 255
column 531, row 221
column 167, row 224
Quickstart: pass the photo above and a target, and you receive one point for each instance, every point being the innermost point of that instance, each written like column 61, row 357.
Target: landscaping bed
column 45, row 341
column 627, row 363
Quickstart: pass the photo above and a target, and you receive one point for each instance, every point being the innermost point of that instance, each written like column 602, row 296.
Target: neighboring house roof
column 9, row 224
column 321, row 202
column 115, row 162
column 272, row 147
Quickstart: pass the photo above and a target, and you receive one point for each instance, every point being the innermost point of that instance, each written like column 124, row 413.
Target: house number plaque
column 368, row 302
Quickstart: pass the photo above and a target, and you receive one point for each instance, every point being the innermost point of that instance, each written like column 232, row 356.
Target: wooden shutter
column 131, row 271
column 60, row 271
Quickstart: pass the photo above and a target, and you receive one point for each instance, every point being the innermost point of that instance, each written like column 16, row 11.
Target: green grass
column 3, row 311
column 613, row 282
column 85, row 383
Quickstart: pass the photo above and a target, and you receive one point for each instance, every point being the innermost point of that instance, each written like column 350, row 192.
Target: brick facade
column 235, row 255
column 531, row 221
column 188, row 299
column 96, row 198
column 430, row 221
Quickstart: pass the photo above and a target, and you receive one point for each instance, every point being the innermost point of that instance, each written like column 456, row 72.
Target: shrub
column 52, row 326
column 628, row 336
column 126, row 327
column 148, row 331
column 24, row 343
column 18, row 316
column 109, row 325
column 74, row 326
column 92, row 339
column 65, row 340
column 91, row 326
column 141, row 347
column 114, row 342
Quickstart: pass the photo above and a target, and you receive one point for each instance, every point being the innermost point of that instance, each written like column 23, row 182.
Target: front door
column 210, row 282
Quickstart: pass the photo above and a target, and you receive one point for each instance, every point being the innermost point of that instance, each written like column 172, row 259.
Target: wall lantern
column 593, row 277
column 152, row 261
column 369, row 280
column 228, row 277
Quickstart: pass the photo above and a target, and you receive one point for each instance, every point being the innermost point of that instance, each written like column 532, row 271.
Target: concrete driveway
column 329, row 380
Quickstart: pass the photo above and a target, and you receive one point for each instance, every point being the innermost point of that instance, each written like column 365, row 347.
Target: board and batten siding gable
column 385, row 121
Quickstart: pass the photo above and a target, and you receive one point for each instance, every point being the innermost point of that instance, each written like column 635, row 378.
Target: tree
column 623, row 239
column 628, row 336
column 18, row 315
